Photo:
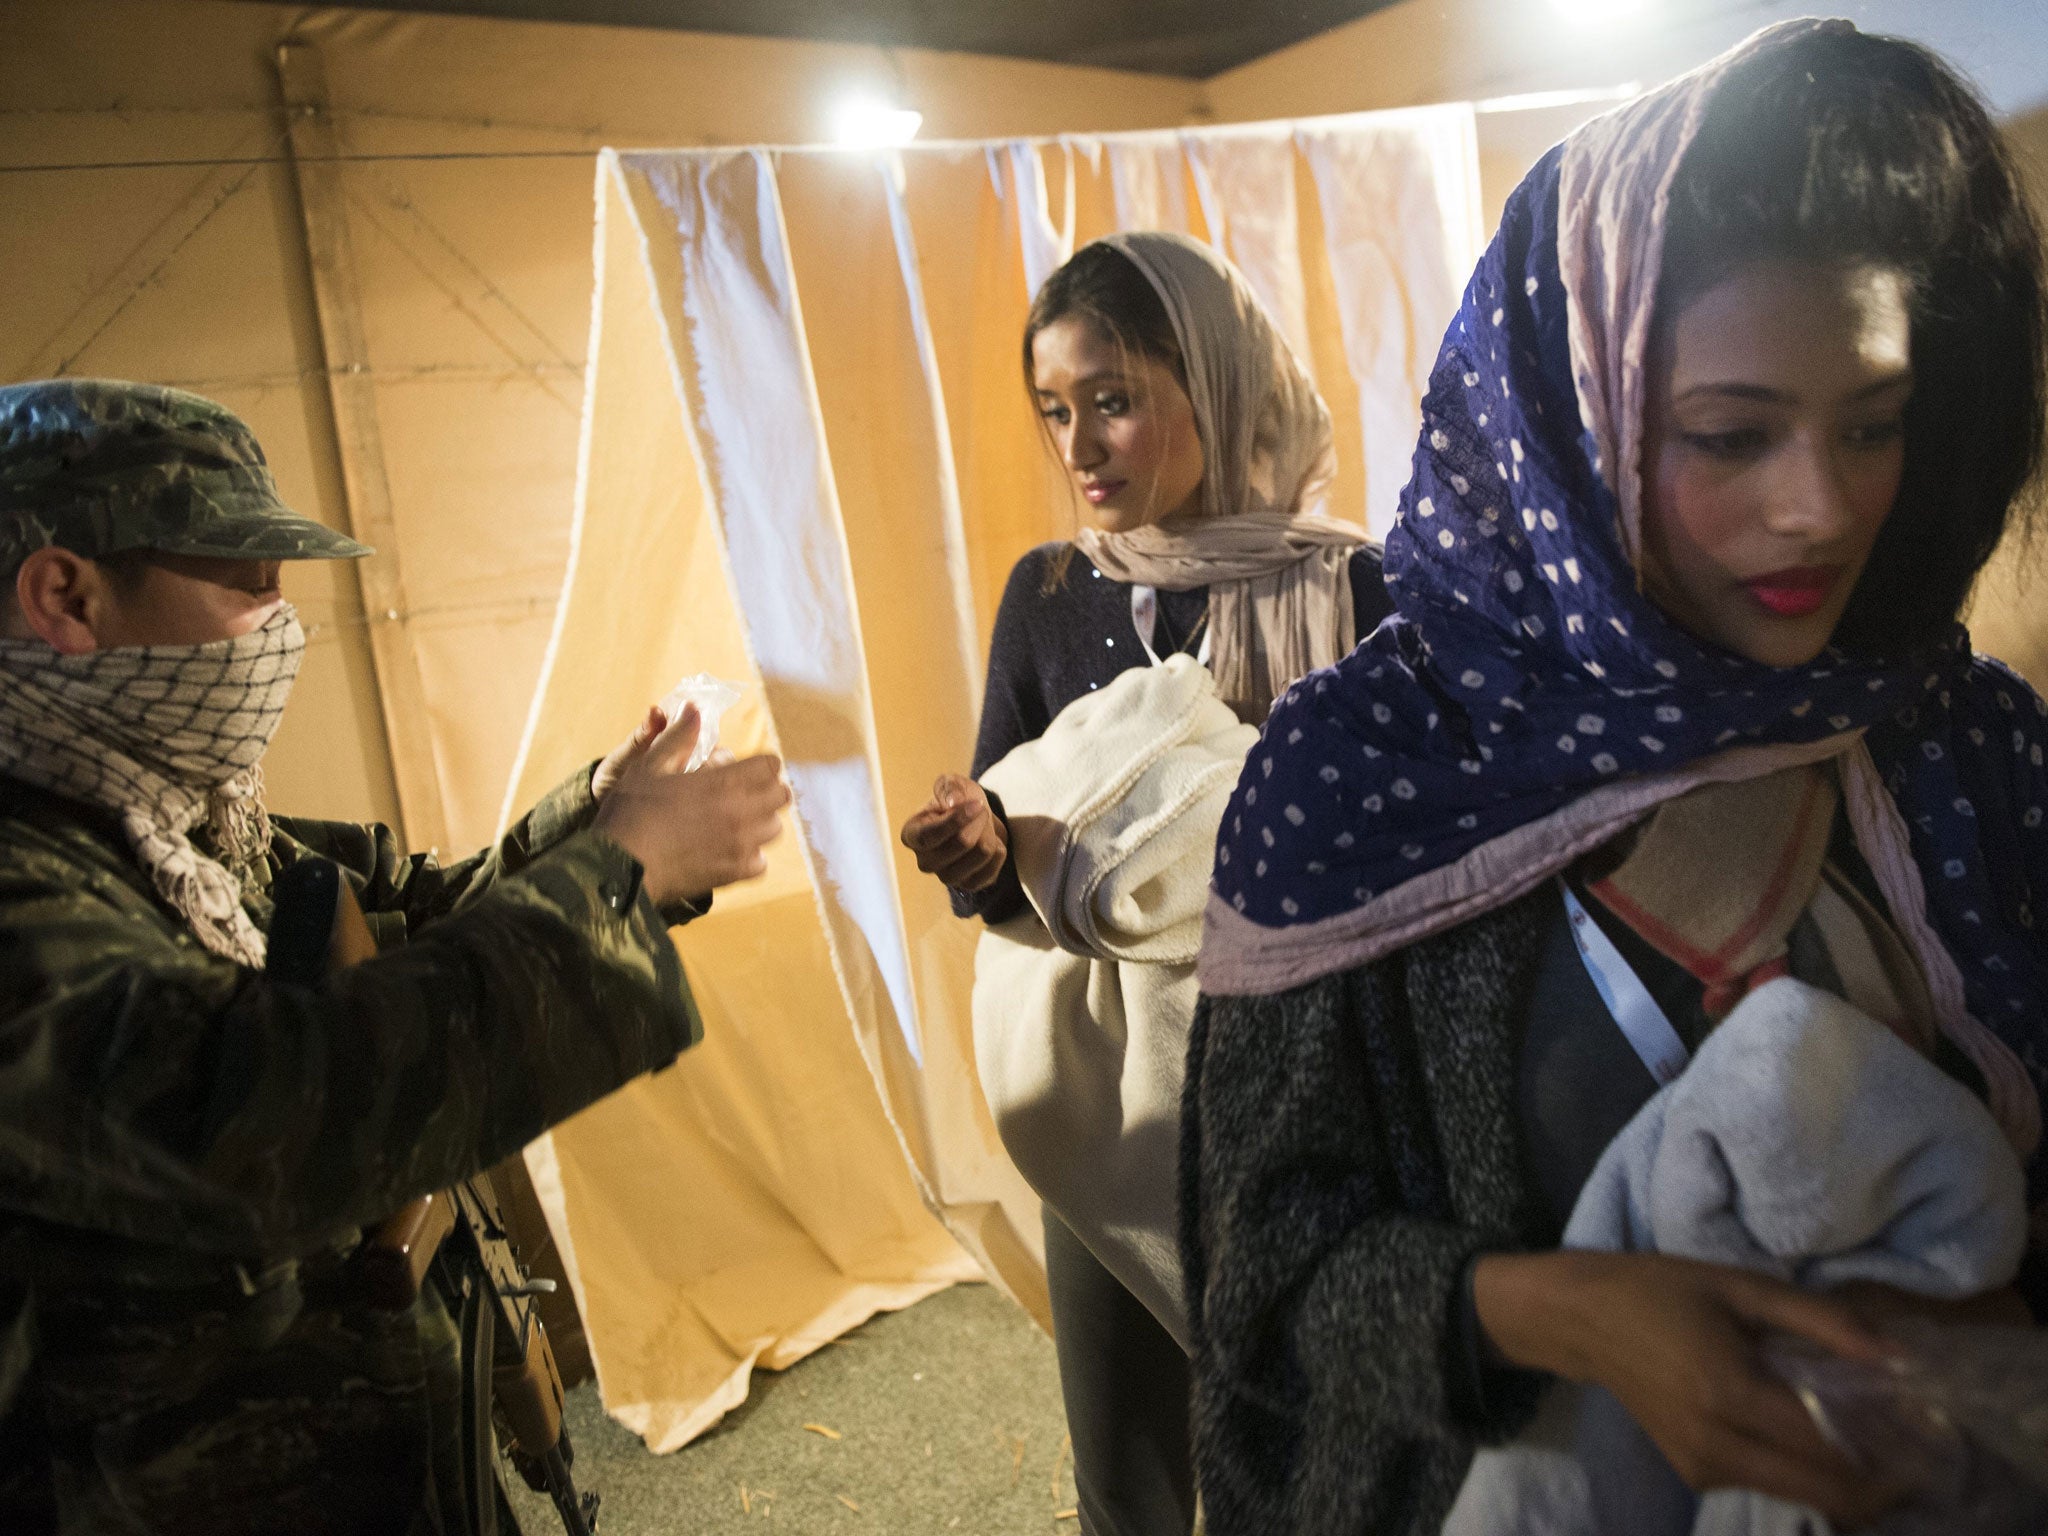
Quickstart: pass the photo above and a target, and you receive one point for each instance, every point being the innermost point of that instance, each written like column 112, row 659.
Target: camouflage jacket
column 188, row 1152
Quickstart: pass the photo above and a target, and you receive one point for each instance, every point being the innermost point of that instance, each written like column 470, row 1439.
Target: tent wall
column 1423, row 51
column 471, row 278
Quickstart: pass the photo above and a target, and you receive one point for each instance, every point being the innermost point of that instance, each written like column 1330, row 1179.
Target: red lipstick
column 1796, row 591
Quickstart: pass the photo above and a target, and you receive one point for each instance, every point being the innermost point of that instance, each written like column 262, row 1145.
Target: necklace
column 1201, row 626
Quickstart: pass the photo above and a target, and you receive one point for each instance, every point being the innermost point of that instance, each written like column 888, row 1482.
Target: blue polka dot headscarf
column 1461, row 753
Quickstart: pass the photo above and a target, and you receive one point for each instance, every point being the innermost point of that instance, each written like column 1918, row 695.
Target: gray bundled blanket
column 1805, row 1141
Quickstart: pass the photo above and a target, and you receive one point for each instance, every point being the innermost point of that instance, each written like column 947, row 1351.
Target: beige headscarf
column 1278, row 570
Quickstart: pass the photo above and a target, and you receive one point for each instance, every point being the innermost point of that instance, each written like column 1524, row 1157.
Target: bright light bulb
column 1588, row 13
column 865, row 123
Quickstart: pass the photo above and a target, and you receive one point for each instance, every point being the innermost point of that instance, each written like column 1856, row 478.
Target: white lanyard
column 1641, row 1020
column 1145, row 620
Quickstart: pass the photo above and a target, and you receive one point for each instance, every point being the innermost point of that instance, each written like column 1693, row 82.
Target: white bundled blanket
column 1805, row 1141
column 1082, row 1005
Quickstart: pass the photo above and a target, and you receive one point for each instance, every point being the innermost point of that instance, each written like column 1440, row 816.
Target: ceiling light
column 866, row 123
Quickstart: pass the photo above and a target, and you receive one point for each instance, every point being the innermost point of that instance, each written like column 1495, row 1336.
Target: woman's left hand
column 958, row 836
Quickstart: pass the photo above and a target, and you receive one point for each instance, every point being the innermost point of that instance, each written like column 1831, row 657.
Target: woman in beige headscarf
column 1201, row 448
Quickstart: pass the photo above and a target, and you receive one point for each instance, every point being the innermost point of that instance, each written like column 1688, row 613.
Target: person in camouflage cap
column 193, row 1146
column 101, row 467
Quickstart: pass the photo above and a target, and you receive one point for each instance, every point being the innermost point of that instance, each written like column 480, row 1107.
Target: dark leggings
column 1125, row 1383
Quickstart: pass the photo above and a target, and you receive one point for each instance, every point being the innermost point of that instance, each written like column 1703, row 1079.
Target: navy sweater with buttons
column 1052, row 646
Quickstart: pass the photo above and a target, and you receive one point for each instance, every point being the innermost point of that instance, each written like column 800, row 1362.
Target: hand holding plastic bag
column 713, row 697
column 1961, row 1415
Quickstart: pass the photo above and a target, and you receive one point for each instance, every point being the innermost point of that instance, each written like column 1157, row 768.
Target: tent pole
column 351, row 395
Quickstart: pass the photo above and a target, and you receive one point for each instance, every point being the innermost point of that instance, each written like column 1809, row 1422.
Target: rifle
column 457, row 1236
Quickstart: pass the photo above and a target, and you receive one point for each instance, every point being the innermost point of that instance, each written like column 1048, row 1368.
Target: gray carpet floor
column 946, row 1416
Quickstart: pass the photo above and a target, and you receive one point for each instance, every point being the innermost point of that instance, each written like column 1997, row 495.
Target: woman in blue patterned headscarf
column 1739, row 401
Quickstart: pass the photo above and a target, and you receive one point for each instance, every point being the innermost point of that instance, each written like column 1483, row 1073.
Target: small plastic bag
column 713, row 697
column 1961, row 1417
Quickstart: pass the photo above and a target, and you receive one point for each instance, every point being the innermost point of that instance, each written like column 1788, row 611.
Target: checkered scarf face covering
column 168, row 738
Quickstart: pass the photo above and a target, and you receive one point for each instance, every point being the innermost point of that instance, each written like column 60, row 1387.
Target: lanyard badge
column 1634, row 1009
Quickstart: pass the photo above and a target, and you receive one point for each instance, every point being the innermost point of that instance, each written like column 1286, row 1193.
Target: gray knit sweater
column 1349, row 1147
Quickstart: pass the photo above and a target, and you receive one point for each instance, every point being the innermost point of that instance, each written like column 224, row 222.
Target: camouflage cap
column 101, row 466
